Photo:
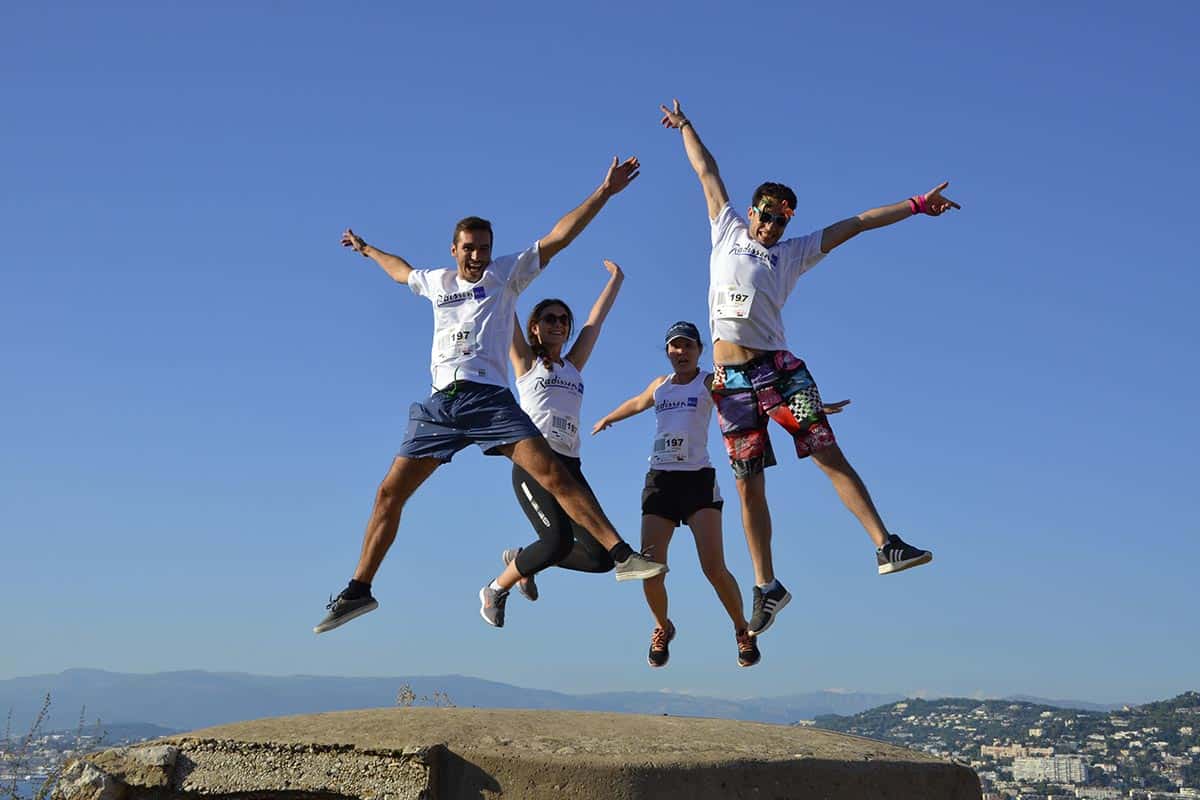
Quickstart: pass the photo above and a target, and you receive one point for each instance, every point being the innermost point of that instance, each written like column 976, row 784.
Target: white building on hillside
column 1056, row 769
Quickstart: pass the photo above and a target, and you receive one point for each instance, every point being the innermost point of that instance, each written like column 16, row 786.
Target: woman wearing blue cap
column 681, row 487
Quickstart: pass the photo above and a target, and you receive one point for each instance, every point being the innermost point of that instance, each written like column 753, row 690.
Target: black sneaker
column 748, row 654
column 767, row 606
column 491, row 606
column 342, row 609
column 525, row 586
column 660, row 639
column 896, row 556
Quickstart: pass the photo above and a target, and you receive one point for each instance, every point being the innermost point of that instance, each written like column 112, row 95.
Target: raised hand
column 602, row 425
column 672, row 118
column 614, row 269
column 935, row 204
column 620, row 174
column 354, row 242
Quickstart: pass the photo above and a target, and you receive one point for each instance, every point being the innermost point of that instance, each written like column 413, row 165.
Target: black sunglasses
column 550, row 319
column 766, row 218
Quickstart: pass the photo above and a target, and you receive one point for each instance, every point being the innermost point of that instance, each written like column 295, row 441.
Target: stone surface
column 435, row 753
column 84, row 781
column 149, row 766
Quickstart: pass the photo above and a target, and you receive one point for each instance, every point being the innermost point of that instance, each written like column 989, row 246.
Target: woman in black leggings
column 550, row 388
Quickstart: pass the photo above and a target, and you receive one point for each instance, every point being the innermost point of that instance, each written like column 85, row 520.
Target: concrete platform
column 444, row 753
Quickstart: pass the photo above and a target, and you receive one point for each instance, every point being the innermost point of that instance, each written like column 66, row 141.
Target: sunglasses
column 550, row 319
column 766, row 218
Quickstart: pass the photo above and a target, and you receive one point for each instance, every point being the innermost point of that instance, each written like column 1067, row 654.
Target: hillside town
column 29, row 760
column 1023, row 751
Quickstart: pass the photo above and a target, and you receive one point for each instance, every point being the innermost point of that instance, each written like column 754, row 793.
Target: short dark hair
column 776, row 190
column 471, row 224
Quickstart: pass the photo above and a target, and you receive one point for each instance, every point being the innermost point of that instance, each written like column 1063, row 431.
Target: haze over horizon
column 203, row 389
column 192, row 699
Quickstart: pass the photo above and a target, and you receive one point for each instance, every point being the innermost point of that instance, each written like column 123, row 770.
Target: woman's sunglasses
column 550, row 319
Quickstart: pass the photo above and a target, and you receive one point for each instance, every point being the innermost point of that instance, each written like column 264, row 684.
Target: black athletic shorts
column 677, row 494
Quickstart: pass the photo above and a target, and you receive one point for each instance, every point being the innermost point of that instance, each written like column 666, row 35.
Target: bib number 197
column 669, row 448
column 457, row 342
column 733, row 302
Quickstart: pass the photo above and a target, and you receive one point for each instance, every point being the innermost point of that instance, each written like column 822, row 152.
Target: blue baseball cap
column 685, row 329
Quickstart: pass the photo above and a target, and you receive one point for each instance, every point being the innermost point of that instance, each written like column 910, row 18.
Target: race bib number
column 670, row 448
column 564, row 430
column 456, row 342
column 733, row 302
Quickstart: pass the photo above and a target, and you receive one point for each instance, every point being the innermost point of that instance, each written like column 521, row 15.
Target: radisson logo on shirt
column 561, row 383
column 454, row 298
column 754, row 251
column 671, row 405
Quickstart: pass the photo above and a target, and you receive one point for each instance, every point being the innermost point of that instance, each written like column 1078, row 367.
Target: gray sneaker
column 491, row 606
column 342, row 609
column 638, row 567
column 526, row 586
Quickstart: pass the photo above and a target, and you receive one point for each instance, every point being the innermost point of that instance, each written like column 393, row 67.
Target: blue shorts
column 467, row 413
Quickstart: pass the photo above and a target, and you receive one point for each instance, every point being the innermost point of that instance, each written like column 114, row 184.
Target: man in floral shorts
column 752, row 271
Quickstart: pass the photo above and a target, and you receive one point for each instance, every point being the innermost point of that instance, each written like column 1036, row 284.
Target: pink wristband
column 921, row 204
column 912, row 205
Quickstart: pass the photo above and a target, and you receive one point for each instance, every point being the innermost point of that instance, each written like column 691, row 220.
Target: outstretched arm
column 634, row 405
column 931, row 203
column 700, row 159
column 620, row 174
column 590, row 332
column 395, row 266
column 519, row 352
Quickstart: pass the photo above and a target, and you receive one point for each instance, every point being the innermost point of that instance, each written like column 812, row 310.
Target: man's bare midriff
column 729, row 353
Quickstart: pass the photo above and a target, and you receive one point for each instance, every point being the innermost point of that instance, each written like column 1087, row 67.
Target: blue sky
column 202, row 389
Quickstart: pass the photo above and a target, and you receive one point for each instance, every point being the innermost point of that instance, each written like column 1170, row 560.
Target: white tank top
column 552, row 399
column 682, row 413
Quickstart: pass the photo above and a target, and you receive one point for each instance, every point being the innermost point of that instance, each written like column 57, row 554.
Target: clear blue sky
column 201, row 389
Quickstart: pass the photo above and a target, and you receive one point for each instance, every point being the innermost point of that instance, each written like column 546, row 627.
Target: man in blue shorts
column 752, row 271
column 473, row 309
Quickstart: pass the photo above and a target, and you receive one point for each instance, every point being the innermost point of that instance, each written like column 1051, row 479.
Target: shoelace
column 745, row 643
column 658, row 639
column 332, row 602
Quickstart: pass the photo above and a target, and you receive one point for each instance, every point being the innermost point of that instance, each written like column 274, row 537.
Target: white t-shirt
column 748, row 283
column 472, row 322
column 553, row 399
column 681, row 416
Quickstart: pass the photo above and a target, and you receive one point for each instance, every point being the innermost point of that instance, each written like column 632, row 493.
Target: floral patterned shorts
column 776, row 386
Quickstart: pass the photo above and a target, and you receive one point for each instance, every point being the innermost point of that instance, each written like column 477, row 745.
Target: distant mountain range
column 1075, row 704
column 183, row 701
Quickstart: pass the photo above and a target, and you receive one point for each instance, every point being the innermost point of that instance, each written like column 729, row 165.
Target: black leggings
column 560, row 540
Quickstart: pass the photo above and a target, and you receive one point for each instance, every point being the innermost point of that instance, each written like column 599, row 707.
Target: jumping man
column 471, row 404
column 752, row 271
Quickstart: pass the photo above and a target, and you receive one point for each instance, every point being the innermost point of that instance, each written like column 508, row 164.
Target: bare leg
column 756, row 520
column 706, row 528
column 852, row 491
column 535, row 457
column 403, row 478
column 509, row 577
column 656, row 537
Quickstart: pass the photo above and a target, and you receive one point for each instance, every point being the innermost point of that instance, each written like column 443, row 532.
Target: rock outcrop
column 444, row 753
